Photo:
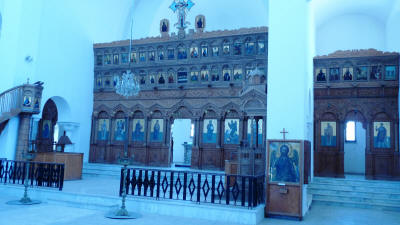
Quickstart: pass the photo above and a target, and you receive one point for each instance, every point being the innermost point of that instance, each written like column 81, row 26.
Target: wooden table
column 73, row 162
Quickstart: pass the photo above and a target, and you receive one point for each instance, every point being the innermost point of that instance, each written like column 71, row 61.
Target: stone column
column 23, row 135
column 219, row 130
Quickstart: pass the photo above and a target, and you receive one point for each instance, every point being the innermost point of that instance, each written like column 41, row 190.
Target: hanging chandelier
column 127, row 85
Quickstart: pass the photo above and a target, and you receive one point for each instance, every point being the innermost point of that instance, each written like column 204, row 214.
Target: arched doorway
column 47, row 125
column 354, row 143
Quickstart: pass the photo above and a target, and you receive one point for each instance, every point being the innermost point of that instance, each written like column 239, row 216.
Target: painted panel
column 231, row 131
column 103, row 129
column 138, row 130
column 156, row 130
column 328, row 133
column 284, row 161
column 210, row 131
column 381, row 134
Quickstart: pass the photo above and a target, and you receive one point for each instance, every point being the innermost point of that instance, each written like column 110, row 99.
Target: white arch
column 63, row 108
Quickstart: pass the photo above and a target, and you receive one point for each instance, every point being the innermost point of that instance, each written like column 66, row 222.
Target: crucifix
column 182, row 7
column 284, row 132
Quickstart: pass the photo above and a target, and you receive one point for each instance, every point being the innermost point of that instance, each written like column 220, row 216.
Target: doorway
column 354, row 148
column 182, row 131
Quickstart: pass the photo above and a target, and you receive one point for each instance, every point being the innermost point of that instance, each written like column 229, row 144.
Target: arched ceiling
column 325, row 10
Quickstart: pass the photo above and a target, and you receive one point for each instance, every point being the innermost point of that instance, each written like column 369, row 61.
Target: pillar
column 23, row 135
column 290, row 71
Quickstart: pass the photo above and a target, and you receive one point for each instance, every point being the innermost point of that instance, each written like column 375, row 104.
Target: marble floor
column 54, row 214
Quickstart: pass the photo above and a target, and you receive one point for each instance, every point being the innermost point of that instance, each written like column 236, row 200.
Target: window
column 351, row 131
column 192, row 130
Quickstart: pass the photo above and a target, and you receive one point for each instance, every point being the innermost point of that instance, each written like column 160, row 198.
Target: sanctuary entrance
column 354, row 148
column 182, row 133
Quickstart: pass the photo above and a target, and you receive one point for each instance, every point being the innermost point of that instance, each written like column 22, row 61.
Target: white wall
column 354, row 152
column 231, row 14
column 8, row 139
column 180, row 133
column 59, row 35
column 350, row 31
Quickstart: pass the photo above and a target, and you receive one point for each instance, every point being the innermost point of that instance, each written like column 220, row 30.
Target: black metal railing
column 40, row 174
column 199, row 187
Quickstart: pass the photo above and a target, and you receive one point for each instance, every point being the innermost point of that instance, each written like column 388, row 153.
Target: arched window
column 194, row 74
column 182, row 52
column 226, row 72
column 237, row 72
column 194, row 51
column 204, row 49
column 204, row 74
column 171, row 76
column 237, row 47
column 249, row 46
column 226, row 47
column 214, row 74
column 142, row 75
column 351, row 131
column 182, row 75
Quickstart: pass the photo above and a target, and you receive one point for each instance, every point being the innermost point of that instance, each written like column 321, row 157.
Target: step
column 355, row 194
column 369, row 200
column 357, row 182
column 355, row 204
column 365, row 188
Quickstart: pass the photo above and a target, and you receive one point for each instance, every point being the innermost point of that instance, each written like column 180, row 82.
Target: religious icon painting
column 99, row 82
column 138, row 130
column 328, row 133
column 347, row 73
column 390, row 73
column 200, row 22
column 361, row 73
column 36, row 103
column 381, row 134
column 103, row 129
column 27, row 101
column 334, row 74
column 231, row 133
column 156, row 130
column 320, row 74
column 46, row 128
column 210, row 131
column 164, row 26
column 284, row 161
column 124, row 58
column 119, row 130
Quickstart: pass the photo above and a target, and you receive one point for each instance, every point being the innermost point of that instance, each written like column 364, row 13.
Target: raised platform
column 356, row 191
column 100, row 192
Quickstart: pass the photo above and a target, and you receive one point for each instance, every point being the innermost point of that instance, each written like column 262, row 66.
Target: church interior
column 236, row 112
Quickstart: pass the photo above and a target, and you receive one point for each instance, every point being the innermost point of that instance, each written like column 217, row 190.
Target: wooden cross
column 284, row 132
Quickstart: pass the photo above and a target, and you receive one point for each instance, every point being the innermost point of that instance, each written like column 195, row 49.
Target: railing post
column 251, row 194
column 213, row 189
column 228, row 183
column 184, row 185
column 243, row 190
column 198, row 187
column 158, row 184
column 171, row 185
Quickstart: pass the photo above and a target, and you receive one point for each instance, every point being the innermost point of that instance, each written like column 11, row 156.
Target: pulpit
column 73, row 162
